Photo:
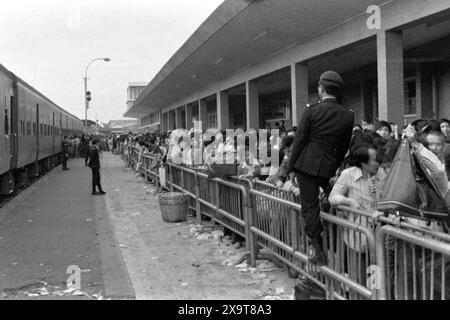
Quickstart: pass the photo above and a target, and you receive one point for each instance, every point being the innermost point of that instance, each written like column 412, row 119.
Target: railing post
column 252, row 245
column 146, row 168
column 198, row 208
column 381, row 265
column 215, row 199
column 182, row 180
column 170, row 178
column 294, row 230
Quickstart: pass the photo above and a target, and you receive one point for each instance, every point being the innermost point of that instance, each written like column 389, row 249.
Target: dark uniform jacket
column 94, row 161
column 65, row 147
column 322, row 139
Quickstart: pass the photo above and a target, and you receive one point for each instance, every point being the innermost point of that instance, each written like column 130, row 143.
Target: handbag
column 410, row 190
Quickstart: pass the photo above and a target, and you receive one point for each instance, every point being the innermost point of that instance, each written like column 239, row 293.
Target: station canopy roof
column 237, row 35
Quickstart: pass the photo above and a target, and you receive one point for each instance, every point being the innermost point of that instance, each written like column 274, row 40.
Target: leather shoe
column 102, row 192
column 306, row 289
column 316, row 256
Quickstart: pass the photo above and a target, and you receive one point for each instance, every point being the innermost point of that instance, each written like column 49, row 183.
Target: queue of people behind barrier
column 372, row 151
column 358, row 183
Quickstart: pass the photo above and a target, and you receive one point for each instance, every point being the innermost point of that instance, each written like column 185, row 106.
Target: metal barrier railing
column 279, row 231
column 224, row 202
column 411, row 266
column 405, row 260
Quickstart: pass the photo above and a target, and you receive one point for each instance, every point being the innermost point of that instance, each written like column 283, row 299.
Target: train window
column 28, row 128
column 41, row 129
column 34, row 128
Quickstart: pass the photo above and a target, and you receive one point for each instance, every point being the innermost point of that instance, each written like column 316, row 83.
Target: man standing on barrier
column 94, row 163
column 321, row 143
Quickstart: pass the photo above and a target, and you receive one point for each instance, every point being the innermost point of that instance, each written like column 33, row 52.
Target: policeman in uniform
column 65, row 152
column 320, row 145
column 94, row 164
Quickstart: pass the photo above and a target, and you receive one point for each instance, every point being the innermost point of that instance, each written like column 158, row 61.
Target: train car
column 32, row 129
column 7, row 100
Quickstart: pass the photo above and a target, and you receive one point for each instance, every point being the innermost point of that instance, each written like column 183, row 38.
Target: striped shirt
column 365, row 191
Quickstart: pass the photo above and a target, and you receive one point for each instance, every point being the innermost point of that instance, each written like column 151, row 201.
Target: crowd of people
column 358, row 182
column 327, row 161
column 371, row 153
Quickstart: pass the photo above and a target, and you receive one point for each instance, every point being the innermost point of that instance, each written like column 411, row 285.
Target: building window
column 410, row 96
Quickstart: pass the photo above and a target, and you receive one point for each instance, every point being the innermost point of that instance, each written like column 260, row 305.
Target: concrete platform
column 52, row 225
column 121, row 243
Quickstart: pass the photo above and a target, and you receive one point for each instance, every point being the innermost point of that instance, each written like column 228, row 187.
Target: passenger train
column 31, row 132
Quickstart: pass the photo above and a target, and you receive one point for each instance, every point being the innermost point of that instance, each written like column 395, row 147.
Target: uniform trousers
column 309, row 199
column 96, row 179
column 64, row 161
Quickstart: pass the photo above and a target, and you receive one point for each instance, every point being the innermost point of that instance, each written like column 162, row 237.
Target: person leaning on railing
column 445, row 129
column 359, row 187
column 432, row 156
column 281, row 178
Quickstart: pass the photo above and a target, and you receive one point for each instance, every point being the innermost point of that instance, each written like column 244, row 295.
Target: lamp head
column 107, row 59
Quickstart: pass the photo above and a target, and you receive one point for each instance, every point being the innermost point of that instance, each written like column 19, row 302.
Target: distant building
column 148, row 122
column 123, row 126
column 133, row 91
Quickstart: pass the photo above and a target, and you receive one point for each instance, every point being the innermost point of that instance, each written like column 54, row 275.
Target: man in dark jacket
column 65, row 152
column 321, row 142
column 94, row 163
column 86, row 149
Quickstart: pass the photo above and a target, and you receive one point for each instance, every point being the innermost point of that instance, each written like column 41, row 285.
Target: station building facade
column 254, row 63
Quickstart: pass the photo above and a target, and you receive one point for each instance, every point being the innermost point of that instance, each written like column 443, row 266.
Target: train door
column 14, row 132
column 37, row 130
column 53, row 133
column 5, row 144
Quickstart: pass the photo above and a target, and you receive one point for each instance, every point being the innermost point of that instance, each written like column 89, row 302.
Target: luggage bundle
column 410, row 190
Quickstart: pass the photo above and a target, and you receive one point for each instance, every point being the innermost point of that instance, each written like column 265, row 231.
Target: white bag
column 162, row 176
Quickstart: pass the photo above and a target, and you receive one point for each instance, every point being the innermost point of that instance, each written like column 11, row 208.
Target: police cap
column 333, row 77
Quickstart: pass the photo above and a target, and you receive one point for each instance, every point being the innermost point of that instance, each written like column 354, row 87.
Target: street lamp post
column 86, row 107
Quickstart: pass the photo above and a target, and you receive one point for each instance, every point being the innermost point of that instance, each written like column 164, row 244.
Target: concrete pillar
column 165, row 122
column 172, row 121
column 178, row 118
column 189, row 116
column 252, row 105
column 202, row 116
column 391, row 99
column 299, row 90
column 223, row 111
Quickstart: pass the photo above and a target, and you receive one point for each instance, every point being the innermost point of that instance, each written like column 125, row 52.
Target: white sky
column 48, row 43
